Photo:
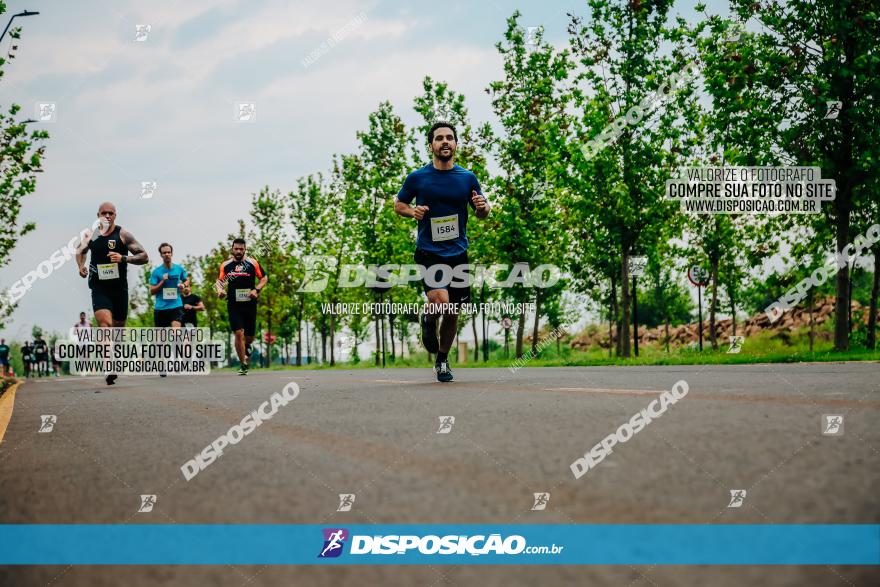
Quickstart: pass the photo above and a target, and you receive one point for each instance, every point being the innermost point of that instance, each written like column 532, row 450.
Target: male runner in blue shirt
column 442, row 191
column 166, row 281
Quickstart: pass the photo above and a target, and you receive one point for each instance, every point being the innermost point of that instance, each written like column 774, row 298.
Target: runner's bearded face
column 444, row 144
column 238, row 252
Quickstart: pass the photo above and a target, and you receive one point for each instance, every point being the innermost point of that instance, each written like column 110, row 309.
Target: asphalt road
column 373, row 433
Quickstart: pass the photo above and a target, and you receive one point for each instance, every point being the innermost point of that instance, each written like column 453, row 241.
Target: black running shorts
column 243, row 316
column 164, row 318
column 113, row 299
column 441, row 278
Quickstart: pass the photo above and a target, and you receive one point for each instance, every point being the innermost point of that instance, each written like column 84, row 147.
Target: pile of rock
column 791, row 321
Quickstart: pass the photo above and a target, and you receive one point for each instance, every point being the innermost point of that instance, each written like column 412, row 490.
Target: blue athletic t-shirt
column 447, row 194
column 168, row 297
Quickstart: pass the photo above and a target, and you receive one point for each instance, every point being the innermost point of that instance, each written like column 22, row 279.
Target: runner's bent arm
column 221, row 281
column 138, row 254
column 81, row 255
column 481, row 204
column 154, row 288
column 407, row 211
column 262, row 283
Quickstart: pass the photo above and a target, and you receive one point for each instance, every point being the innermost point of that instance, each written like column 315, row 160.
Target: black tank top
column 101, row 248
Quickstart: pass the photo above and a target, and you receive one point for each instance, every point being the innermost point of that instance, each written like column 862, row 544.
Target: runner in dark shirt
column 27, row 354
column 108, row 247
column 241, row 280
column 41, row 356
column 4, row 358
column 192, row 305
column 442, row 192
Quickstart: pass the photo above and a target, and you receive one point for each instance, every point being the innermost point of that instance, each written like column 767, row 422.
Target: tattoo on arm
column 138, row 254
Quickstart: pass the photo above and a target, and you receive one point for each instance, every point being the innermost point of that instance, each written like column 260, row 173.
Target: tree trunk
column 332, row 339
column 623, row 333
column 666, row 326
column 537, row 322
column 391, row 335
column 732, row 310
column 476, row 340
column 713, row 335
column 378, row 339
column 269, row 328
column 612, row 317
column 382, row 324
column 812, row 324
column 299, row 317
column 485, row 319
column 849, row 299
column 872, row 312
column 323, row 343
column 844, row 170
column 520, row 328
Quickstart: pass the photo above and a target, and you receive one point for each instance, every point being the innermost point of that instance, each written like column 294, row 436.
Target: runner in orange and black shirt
column 238, row 283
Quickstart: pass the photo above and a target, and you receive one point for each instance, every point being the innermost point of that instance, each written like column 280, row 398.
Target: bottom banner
column 433, row 544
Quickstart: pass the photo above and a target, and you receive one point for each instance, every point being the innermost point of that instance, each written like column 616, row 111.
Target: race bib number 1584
column 444, row 228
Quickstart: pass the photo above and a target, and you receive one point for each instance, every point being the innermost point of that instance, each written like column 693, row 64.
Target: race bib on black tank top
column 102, row 271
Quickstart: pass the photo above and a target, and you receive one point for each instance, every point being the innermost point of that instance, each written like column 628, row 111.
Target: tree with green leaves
column 531, row 103
column 306, row 206
column 376, row 174
column 808, row 58
column 21, row 158
column 624, row 61
column 265, row 243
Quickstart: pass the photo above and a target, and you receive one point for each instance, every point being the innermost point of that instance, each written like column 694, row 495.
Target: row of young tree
column 763, row 80
column 22, row 150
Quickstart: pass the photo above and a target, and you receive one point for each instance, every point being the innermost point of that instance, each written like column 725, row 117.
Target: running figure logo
column 833, row 109
column 148, row 189
column 734, row 32
column 446, row 423
column 246, row 112
column 47, row 423
column 346, row 500
column 141, row 32
column 147, row 503
column 832, row 424
column 532, row 34
column 541, row 501
column 46, row 112
column 737, row 496
column 736, row 343
column 334, row 540
column 442, row 112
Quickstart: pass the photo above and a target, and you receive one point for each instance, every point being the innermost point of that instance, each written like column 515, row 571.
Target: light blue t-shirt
column 168, row 297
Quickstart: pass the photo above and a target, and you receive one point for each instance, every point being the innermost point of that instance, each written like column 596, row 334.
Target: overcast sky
column 164, row 109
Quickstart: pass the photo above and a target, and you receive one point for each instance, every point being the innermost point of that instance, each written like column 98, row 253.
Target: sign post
column 699, row 277
column 636, row 266
column 506, row 323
